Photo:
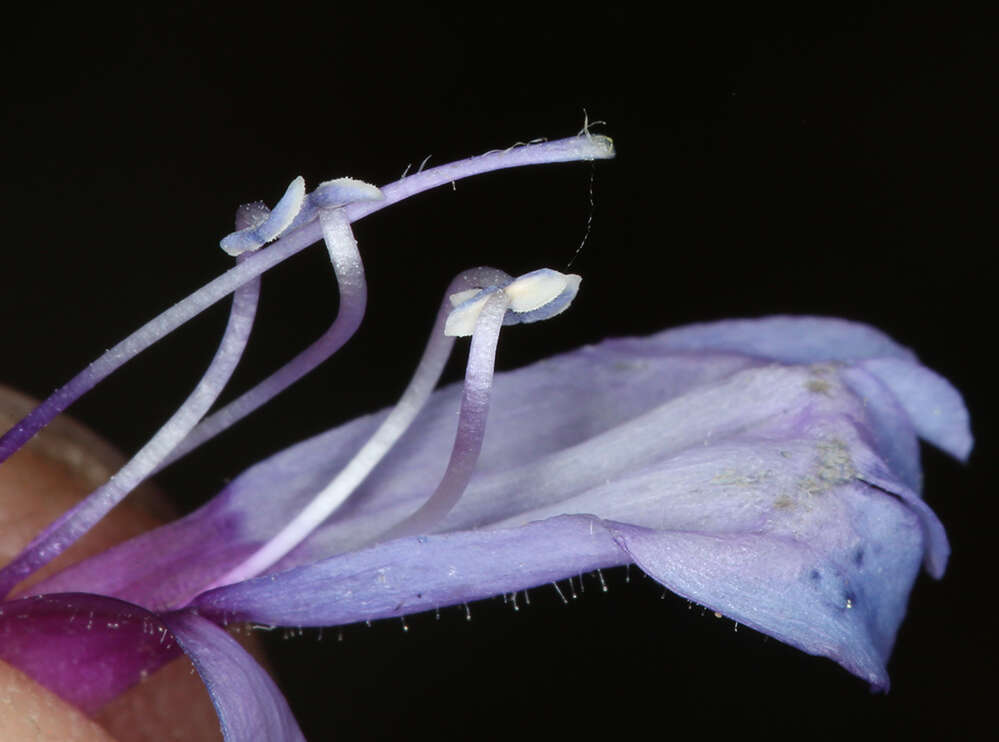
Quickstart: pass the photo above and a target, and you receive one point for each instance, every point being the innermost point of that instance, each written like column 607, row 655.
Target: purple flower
column 767, row 469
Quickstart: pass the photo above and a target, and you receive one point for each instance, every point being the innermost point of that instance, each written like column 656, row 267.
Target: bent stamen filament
column 530, row 298
column 349, row 271
column 75, row 522
column 471, row 422
column 413, row 399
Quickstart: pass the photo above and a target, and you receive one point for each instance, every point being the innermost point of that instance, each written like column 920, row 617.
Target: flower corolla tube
column 767, row 469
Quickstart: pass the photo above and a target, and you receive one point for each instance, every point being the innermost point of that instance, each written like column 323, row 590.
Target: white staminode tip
column 529, row 295
column 596, row 147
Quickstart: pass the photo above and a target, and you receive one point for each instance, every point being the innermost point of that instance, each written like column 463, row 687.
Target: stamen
column 75, row 522
column 349, row 271
column 533, row 297
column 428, row 373
column 471, row 421
column 527, row 295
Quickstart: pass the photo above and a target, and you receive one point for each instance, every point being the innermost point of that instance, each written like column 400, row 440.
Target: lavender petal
column 248, row 703
column 418, row 573
column 788, row 339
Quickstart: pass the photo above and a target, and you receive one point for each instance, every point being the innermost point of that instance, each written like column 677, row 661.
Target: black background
column 829, row 161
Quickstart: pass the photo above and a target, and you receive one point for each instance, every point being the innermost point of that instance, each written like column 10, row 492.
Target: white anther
column 535, row 289
column 461, row 322
column 462, row 296
column 284, row 211
column 237, row 243
column 554, row 307
column 256, row 236
column 342, row 191
column 293, row 210
column 533, row 297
